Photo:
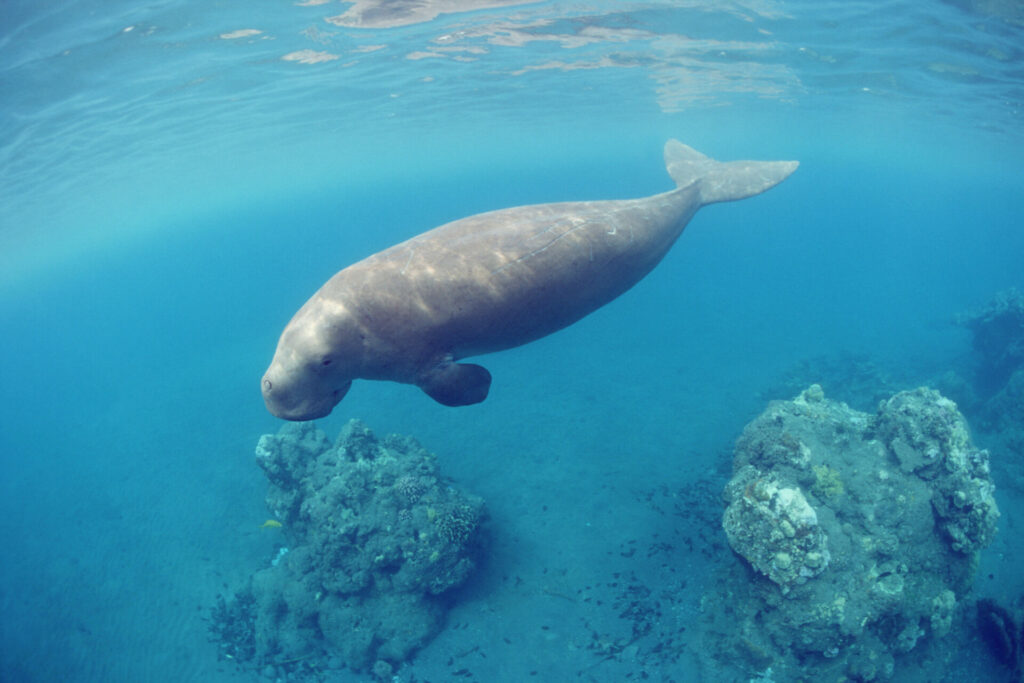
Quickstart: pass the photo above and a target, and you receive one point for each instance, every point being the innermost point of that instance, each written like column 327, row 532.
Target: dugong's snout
column 288, row 401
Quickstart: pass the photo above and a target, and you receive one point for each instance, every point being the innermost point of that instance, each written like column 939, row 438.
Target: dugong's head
column 316, row 360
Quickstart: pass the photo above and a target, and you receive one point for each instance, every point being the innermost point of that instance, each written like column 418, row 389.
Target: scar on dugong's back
column 486, row 283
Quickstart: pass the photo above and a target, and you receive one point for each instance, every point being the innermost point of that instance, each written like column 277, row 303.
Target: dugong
column 485, row 283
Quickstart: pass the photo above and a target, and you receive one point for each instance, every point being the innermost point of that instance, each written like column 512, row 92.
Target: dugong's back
column 500, row 279
column 485, row 283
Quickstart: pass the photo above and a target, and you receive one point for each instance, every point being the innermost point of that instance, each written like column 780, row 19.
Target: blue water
column 171, row 191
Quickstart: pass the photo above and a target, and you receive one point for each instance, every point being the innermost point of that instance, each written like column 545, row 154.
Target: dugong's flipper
column 723, row 181
column 456, row 384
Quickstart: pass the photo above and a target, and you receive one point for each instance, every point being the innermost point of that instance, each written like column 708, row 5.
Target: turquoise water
column 177, row 178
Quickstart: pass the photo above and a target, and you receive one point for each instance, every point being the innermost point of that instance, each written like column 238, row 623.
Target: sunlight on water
column 123, row 112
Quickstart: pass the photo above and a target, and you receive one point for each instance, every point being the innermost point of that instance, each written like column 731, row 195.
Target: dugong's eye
column 326, row 361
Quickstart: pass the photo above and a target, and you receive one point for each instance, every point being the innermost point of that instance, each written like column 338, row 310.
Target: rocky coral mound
column 857, row 534
column 997, row 334
column 375, row 538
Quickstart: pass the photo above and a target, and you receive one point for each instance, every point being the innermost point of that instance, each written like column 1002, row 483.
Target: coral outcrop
column 997, row 334
column 375, row 538
column 856, row 535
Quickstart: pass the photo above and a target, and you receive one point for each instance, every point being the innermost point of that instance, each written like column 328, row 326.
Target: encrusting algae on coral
column 376, row 538
column 857, row 537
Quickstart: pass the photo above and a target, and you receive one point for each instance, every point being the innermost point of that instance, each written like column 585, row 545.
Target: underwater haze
column 178, row 178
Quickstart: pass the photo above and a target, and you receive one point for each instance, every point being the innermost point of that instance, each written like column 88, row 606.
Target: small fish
column 271, row 524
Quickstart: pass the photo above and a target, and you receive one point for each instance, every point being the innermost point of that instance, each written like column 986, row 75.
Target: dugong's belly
column 500, row 279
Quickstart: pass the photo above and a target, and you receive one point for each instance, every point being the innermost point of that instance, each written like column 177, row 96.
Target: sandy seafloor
column 130, row 409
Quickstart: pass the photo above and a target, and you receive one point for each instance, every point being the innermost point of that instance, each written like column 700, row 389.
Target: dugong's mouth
column 291, row 403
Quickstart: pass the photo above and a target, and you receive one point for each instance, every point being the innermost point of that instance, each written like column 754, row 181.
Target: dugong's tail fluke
column 723, row 181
